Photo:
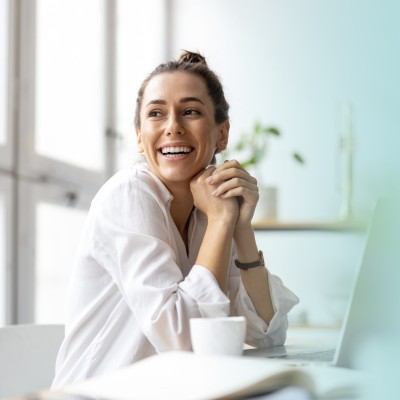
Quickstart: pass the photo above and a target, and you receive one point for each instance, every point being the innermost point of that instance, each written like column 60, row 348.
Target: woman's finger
column 233, row 183
column 204, row 173
column 219, row 176
column 230, row 164
column 248, row 196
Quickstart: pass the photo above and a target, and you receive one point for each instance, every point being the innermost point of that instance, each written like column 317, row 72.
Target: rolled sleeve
column 203, row 287
column 259, row 333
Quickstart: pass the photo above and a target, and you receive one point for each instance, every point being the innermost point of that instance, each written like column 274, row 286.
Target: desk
column 310, row 335
column 191, row 373
column 304, row 344
column 305, row 334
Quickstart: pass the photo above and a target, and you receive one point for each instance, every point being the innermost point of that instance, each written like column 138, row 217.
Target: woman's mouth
column 175, row 151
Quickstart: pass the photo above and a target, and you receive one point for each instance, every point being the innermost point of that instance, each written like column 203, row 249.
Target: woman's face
column 178, row 133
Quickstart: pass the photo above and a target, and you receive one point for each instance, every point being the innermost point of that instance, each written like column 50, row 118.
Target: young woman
column 170, row 239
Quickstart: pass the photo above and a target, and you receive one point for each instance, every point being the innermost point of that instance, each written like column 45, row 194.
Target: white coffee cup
column 218, row 335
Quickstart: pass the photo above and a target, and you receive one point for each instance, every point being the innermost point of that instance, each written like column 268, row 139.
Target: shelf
column 330, row 226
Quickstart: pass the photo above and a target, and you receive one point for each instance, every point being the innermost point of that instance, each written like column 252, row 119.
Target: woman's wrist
column 246, row 245
column 229, row 218
column 222, row 223
column 243, row 230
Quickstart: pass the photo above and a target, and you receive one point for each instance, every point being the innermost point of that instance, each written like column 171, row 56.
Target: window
column 6, row 212
column 6, row 203
column 70, row 89
column 69, row 104
column 3, row 236
column 63, row 115
column 141, row 44
column 6, row 12
column 61, row 226
column 3, row 70
column 64, row 108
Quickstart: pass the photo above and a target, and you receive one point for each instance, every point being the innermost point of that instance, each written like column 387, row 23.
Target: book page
column 186, row 376
column 336, row 383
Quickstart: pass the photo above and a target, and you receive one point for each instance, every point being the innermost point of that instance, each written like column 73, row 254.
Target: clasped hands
column 228, row 192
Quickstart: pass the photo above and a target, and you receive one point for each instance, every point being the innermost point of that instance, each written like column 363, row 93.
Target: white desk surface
column 313, row 335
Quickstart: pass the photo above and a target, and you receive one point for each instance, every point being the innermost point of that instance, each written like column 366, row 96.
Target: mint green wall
column 291, row 63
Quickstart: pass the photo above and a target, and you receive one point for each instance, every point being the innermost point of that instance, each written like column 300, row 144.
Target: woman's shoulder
column 134, row 184
column 134, row 201
column 117, row 183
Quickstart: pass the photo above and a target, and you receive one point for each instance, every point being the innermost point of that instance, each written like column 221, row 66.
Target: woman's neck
column 181, row 208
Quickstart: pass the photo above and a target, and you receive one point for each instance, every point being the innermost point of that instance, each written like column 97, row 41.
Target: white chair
column 27, row 357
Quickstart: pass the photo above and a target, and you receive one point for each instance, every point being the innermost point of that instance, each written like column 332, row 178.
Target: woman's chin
column 176, row 179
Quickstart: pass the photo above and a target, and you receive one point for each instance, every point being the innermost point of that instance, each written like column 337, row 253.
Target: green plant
column 251, row 148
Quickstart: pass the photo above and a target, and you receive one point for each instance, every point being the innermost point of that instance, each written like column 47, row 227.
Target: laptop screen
column 374, row 314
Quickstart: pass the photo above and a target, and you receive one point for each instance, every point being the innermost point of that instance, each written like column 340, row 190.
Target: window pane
column 70, row 118
column 6, row 212
column 3, row 70
column 58, row 230
column 140, row 28
column 3, row 260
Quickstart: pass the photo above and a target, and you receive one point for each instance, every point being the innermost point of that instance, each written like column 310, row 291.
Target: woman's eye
column 191, row 111
column 154, row 113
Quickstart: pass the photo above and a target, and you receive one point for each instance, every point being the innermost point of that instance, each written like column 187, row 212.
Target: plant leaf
column 273, row 131
column 248, row 163
column 298, row 158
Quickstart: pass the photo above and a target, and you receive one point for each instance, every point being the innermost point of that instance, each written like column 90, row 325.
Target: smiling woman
column 171, row 240
column 178, row 132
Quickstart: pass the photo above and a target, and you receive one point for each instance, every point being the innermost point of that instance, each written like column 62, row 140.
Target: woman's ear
column 139, row 141
column 222, row 142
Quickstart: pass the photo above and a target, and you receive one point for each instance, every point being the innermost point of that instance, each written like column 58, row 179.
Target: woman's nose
column 174, row 126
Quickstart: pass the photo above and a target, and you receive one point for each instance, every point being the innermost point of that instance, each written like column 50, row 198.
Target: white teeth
column 176, row 150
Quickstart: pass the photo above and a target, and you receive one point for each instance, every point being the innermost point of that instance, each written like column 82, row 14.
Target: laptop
column 372, row 308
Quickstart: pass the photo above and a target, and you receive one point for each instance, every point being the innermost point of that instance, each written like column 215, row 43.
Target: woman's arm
column 135, row 252
column 233, row 181
column 255, row 280
column 215, row 250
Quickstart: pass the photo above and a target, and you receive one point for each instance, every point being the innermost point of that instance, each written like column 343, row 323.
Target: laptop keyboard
column 324, row 355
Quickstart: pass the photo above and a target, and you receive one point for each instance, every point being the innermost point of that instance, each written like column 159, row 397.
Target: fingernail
column 210, row 179
column 215, row 193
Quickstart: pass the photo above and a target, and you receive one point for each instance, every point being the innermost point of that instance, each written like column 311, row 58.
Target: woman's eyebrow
column 182, row 100
column 156, row 101
column 189, row 99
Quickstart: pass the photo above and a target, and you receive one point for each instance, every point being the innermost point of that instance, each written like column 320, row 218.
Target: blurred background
column 325, row 73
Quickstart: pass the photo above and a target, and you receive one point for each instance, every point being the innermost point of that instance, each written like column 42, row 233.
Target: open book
column 187, row 376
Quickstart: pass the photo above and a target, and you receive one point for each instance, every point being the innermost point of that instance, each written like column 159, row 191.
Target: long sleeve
column 133, row 239
column 260, row 334
column 134, row 287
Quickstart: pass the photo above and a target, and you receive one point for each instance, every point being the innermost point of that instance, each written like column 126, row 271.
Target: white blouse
column 134, row 287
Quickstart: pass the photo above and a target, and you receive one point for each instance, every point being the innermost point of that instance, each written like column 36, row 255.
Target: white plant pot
column 267, row 206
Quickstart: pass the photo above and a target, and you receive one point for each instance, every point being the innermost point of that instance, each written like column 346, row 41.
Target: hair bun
column 190, row 57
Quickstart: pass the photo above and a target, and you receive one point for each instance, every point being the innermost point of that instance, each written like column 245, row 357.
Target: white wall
column 291, row 63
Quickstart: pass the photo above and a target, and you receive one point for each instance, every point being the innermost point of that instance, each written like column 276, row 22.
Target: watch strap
column 259, row 263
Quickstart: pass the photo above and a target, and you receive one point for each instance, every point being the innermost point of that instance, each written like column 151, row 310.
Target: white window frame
column 41, row 179
column 31, row 164
column 7, row 150
column 7, row 292
column 7, row 169
column 30, row 194
column 33, row 178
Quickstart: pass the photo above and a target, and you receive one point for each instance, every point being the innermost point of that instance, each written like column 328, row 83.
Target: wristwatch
column 259, row 263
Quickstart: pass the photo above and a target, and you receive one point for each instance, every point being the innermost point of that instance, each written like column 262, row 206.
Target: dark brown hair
column 196, row 64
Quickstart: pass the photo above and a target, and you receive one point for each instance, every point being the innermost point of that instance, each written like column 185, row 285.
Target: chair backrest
column 27, row 357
